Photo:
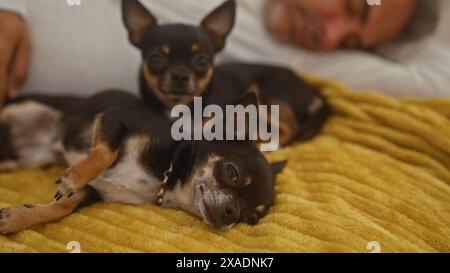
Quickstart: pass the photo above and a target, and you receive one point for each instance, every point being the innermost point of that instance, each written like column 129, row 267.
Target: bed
column 377, row 179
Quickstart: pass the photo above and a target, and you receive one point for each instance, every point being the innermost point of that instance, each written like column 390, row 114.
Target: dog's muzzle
column 217, row 207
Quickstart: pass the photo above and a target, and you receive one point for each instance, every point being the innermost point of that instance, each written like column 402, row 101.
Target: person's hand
column 15, row 47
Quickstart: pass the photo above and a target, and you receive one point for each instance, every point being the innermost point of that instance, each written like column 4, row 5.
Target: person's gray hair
column 423, row 21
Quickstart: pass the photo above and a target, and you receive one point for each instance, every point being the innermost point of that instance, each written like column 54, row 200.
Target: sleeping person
column 51, row 46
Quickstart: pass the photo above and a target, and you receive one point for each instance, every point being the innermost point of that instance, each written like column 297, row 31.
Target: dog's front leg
column 100, row 157
column 79, row 175
column 17, row 219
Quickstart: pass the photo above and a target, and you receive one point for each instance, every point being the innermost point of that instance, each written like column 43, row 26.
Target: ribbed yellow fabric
column 379, row 173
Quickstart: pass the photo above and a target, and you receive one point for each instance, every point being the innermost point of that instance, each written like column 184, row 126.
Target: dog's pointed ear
column 219, row 23
column 137, row 19
column 278, row 166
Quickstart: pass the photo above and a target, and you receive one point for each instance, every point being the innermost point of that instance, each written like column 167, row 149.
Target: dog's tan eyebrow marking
column 195, row 47
column 165, row 49
column 260, row 208
column 247, row 181
column 315, row 105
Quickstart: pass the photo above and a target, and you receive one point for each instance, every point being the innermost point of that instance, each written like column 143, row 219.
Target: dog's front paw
column 65, row 185
column 17, row 219
column 8, row 222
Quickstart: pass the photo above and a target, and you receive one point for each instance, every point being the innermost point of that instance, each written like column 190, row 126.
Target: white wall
column 443, row 33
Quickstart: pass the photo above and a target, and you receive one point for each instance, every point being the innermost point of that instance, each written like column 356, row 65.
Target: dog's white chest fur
column 127, row 181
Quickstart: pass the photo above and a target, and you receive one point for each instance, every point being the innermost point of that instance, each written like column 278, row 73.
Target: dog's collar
column 179, row 168
column 162, row 191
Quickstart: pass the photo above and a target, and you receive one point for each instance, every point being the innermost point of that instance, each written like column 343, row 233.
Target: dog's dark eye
column 201, row 63
column 232, row 173
column 157, row 61
column 252, row 219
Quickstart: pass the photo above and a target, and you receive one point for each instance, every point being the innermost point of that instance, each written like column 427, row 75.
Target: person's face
column 324, row 25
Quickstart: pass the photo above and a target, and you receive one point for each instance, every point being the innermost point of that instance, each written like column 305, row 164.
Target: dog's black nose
column 180, row 77
column 229, row 212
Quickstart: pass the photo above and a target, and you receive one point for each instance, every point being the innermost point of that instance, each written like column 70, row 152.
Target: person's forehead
column 386, row 21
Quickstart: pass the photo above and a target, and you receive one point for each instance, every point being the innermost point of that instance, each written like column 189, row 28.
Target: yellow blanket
column 376, row 179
